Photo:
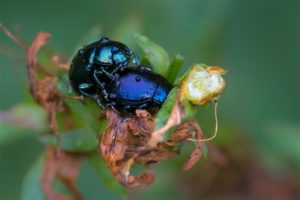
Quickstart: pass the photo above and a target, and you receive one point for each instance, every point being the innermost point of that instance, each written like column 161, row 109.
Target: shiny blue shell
column 105, row 54
column 140, row 88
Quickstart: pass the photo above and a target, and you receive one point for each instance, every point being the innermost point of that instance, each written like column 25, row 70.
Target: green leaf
column 87, row 112
column 90, row 36
column 204, row 151
column 21, row 121
column 78, row 141
column 190, row 110
column 175, row 67
column 154, row 54
column 105, row 175
column 164, row 112
column 73, row 141
column 163, row 115
column 124, row 30
column 31, row 187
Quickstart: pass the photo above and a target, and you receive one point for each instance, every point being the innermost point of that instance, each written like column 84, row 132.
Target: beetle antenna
column 216, row 126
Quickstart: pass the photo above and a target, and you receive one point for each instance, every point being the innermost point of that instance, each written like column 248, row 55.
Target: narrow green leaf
column 78, row 141
column 31, row 187
column 189, row 110
column 87, row 112
column 157, row 56
column 124, row 30
column 163, row 115
column 90, row 36
column 175, row 67
column 105, row 175
column 73, row 141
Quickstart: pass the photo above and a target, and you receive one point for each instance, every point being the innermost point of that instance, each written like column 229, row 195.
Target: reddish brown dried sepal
column 124, row 143
column 118, row 147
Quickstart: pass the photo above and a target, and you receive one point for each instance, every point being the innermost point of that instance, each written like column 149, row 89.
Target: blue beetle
column 137, row 88
column 98, row 63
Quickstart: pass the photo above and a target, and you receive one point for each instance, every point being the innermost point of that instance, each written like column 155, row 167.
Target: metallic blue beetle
column 137, row 88
column 99, row 63
column 101, row 71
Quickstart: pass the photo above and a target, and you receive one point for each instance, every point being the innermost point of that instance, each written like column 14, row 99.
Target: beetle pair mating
column 110, row 72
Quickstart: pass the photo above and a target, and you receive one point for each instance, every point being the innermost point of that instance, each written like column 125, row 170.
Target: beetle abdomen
column 139, row 88
column 134, row 87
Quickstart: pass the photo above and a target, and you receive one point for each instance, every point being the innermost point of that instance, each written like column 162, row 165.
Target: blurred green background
column 257, row 152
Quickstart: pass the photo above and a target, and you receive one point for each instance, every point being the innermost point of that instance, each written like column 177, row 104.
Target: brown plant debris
column 124, row 143
column 44, row 91
column 58, row 163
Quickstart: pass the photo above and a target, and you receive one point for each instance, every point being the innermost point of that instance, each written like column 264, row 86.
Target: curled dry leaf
column 124, row 144
column 44, row 91
column 118, row 150
column 175, row 118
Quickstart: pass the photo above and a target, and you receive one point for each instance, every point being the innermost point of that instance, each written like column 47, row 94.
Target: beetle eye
column 138, row 78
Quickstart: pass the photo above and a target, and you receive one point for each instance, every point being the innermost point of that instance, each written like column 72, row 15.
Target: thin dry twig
column 13, row 37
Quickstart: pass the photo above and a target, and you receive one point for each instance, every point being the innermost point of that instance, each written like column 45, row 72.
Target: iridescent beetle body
column 99, row 63
column 138, row 88
column 101, row 70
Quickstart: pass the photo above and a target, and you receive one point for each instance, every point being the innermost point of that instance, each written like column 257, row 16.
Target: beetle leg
column 119, row 66
column 103, row 91
column 112, row 106
column 83, row 87
column 114, row 77
column 98, row 100
column 104, row 94
column 101, row 72
column 100, row 83
column 144, row 105
column 96, row 72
